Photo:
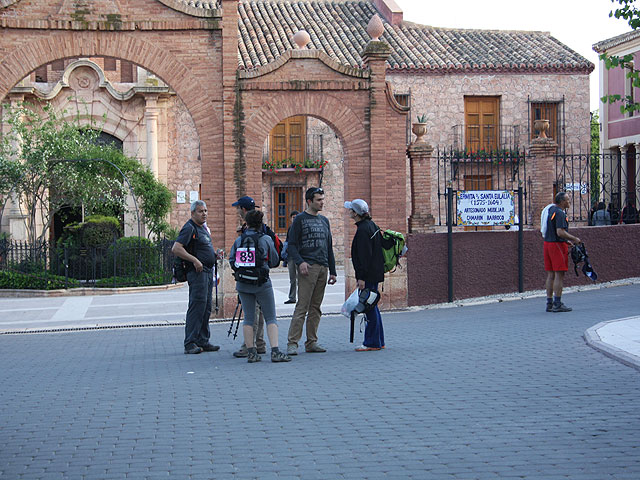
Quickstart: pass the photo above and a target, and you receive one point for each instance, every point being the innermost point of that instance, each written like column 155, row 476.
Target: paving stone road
column 496, row 391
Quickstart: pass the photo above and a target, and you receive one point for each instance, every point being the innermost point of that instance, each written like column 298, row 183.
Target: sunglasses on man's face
column 315, row 191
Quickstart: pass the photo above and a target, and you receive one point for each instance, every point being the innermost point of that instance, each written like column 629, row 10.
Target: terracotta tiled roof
column 615, row 41
column 339, row 29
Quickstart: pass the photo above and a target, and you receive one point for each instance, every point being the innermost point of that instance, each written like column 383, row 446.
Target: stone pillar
column 624, row 168
column 634, row 196
column 233, row 139
column 388, row 210
column 542, row 176
column 374, row 57
column 151, row 111
column 421, row 164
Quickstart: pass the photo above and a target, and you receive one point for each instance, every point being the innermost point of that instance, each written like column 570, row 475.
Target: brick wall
column 183, row 166
column 486, row 263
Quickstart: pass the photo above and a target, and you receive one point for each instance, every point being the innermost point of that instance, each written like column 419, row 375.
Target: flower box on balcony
column 285, row 170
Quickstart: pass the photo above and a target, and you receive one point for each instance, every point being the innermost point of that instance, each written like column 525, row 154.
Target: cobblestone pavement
column 496, row 391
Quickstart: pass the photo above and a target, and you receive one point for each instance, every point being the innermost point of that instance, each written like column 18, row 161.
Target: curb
column 84, row 291
column 593, row 339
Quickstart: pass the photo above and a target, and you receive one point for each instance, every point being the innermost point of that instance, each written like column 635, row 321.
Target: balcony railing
column 487, row 138
column 311, row 151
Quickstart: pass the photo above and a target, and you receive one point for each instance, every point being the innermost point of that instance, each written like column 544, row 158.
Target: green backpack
column 392, row 249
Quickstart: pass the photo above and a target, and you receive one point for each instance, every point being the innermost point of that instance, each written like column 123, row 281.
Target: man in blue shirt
column 194, row 245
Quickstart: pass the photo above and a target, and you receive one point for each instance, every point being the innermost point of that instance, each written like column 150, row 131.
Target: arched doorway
column 300, row 152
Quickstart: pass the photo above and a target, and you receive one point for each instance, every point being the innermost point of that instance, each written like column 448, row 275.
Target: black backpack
column 180, row 266
column 579, row 255
column 248, row 264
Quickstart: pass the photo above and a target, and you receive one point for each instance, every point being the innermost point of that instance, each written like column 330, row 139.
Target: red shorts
column 556, row 256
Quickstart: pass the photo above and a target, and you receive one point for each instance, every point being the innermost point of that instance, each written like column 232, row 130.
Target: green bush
column 145, row 279
column 135, row 256
column 29, row 266
column 95, row 231
column 18, row 280
column 98, row 230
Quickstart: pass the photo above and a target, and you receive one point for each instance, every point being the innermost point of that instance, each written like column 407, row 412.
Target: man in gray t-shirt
column 310, row 247
column 194, row 245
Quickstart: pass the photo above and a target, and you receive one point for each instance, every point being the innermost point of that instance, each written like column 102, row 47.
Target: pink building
column 620, row 131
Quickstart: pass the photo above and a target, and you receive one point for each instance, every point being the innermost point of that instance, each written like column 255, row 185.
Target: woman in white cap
column 368, row 263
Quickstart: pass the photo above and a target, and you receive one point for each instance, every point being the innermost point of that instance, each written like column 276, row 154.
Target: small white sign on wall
column 181, row 196
column 193, row 196
column 485, row 207
column 583, row 188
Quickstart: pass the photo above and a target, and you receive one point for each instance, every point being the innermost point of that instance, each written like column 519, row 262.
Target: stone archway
column 186, row 75
column 357, row 104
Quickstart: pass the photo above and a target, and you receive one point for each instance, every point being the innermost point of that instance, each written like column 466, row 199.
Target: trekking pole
column 235, row 312
column 235, row 334
column 215, row 278
column 353, row 321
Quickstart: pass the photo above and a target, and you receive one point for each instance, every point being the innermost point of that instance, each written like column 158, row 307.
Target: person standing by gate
column 311, row 249
column 200, row 278
column 556, row 252
column 368, row 264
column 291, row 266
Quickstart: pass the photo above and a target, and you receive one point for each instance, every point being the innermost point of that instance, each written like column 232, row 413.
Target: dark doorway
column 74, row 214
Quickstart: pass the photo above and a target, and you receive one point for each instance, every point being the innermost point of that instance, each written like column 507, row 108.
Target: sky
column 576, row 23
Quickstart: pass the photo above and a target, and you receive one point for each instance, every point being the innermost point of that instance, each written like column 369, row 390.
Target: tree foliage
column 627, row 11
column 50, row 163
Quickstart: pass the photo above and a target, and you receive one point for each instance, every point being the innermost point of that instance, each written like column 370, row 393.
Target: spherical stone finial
column 301, row 38
column 375, row 29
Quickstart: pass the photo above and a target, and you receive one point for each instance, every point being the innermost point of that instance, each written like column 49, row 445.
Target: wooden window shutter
column 482, row 123
column 287, row 140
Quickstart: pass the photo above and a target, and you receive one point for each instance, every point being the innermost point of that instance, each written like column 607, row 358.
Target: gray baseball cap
column 358, row 205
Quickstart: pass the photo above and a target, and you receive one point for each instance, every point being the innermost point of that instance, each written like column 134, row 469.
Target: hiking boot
column 209, row 348
column 561, row 308
column 253, row 357
column 292, row 350
column 277, row 357
column 549, row 307
column 242, row 353
column 315, row 348
column 192, row 349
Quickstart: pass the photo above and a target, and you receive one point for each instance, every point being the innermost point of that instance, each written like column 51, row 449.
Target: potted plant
column 419, row 129
column 542, row 127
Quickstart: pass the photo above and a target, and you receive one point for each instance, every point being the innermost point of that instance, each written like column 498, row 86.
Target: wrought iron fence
column 596, row 181
column 133, row 262
column 499, row 170
column 485, row 138
column 573, row 175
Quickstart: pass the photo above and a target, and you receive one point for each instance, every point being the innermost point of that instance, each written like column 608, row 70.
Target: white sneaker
column 292, row 350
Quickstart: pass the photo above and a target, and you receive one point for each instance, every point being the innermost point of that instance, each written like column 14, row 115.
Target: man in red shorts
column 556, row 252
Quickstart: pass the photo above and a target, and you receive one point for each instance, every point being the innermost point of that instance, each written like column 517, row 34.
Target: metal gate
column 500, row 170
column 596, row 181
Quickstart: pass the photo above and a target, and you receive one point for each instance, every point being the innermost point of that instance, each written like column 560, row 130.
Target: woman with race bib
column 252, row 254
